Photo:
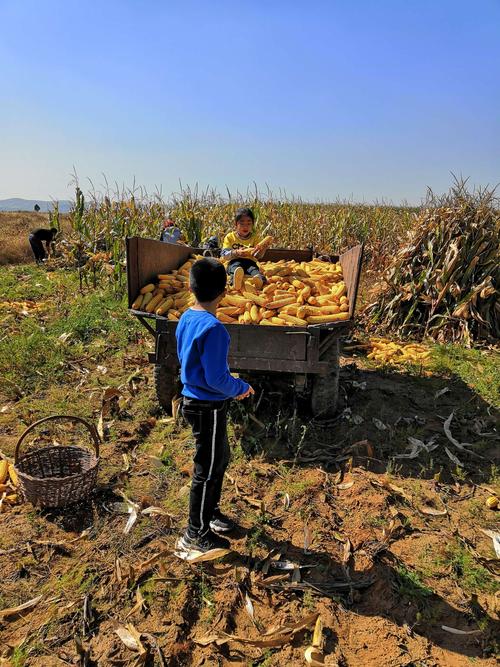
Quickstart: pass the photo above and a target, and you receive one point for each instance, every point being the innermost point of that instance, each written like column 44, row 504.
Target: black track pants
column 37, row 247
column 208, row 422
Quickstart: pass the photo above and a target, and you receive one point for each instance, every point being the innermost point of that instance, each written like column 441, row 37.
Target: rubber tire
column 325, row 395
column 325, row 388
column 166, row 385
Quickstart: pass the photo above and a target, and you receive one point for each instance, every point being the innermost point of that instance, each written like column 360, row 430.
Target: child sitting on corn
column 241, row 248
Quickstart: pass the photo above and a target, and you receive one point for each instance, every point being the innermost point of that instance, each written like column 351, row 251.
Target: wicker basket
column 57, row 475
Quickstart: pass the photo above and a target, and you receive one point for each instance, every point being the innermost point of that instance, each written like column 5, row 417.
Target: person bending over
column 202, row 348
column 37, row 238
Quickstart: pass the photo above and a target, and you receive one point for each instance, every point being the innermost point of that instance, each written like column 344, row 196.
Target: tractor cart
column 309, row 354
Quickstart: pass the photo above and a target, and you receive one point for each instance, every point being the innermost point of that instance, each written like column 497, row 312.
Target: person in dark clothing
column 37, row 239
column 202, row 347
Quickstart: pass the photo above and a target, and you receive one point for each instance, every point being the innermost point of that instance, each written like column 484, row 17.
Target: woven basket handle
column 93, row 431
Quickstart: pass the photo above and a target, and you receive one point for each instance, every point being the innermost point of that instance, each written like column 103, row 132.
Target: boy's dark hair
column 207, row 279
column 244, row 213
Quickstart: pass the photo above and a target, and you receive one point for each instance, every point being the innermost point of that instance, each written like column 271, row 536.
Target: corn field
column 445, row 282
column 101, row 221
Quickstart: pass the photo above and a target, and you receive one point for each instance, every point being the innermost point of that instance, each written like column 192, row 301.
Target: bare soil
column 299, row 490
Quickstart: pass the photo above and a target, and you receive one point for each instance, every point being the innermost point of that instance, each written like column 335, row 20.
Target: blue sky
column 324, row 99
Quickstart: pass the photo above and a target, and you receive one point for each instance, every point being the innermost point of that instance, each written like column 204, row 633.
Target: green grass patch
column 94, row 325
column 479, row 369
column 471, row 576
column 409, row 584
column 31, row 282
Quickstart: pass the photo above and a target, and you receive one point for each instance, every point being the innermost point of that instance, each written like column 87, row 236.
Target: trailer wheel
column 166, row 385
column 325, row 388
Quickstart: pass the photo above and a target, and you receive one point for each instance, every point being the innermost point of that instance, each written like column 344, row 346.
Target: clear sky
column 358, row 99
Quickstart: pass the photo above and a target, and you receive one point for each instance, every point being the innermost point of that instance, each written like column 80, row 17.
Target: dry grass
column 14, row 230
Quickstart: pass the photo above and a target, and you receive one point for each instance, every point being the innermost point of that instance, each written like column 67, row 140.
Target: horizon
column 360, row 103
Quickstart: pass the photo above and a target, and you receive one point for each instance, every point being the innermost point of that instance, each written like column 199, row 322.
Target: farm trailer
column 309, row 354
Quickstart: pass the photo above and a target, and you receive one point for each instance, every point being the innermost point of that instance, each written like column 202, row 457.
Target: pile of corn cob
column 389, row 352
column 8, row 484
column 295, row 294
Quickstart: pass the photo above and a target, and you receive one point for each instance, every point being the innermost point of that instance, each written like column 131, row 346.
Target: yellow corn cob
column 146, row 299
column 4, row 470
column 278, row 321
column 344, row 307
column 247, row 318
column 260, row 300
column 230, row 311
column 332, row 309
column 155, row 301
column 137, row 303
column 279, row 303
column 255, row 314
column 264, row 244
column 290, row 319
column 172, row 317
column 249, row 288
column 148, row 288
column 235, row 300
column 322, row 319
column 165, row 306
column 13, row 475
column 222, row 317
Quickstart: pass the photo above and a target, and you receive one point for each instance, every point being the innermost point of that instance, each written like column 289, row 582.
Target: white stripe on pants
column 209, row 476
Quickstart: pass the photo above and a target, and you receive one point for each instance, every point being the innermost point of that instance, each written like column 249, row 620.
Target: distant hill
column 17, row 204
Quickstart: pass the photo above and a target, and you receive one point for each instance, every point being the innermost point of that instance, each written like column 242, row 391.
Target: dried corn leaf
column 313, row 657
column 223, row 638
column 154, row 511
column 447, row 431
column 318, row 633
column 307, row 538
column 495, row 536
column 431, row 511
column 456, row 631
column 14, row 611
column 305, row 623
column 345, row 485
column 199, row 557
column 127, row 507
column 131, row 638
column 249, row 607
column 453, row 458
column 441, row 392
column 139, row 604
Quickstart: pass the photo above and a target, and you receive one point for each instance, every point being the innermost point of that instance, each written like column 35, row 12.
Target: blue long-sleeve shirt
column 202, row 348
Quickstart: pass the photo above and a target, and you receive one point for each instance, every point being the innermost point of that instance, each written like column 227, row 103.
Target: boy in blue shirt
column 202, row 348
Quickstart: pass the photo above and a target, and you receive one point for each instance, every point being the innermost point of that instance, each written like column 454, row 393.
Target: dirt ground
column 347, row 521
column 325, row 500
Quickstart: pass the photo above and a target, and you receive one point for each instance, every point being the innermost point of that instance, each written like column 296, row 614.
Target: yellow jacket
column 233, row 241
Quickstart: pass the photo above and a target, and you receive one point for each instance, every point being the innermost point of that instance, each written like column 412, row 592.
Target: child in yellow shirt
column 239, row 248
